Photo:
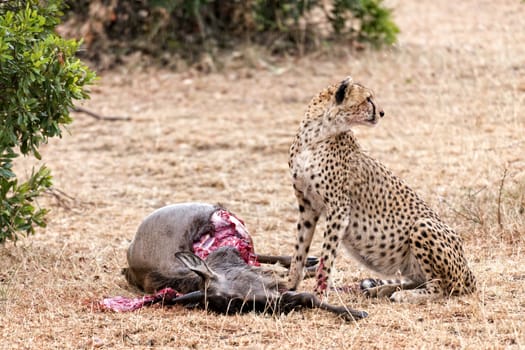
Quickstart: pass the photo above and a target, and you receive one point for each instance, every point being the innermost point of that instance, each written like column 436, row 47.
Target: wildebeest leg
column 191, row 299
column 284, row 260
column 310, row 271
column 293, row 300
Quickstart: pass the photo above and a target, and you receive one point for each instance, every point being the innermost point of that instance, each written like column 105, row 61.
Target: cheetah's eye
column 369, row 100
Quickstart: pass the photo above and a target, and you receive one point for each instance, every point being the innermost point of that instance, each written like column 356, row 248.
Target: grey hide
column 230, row 285
column 152, row 264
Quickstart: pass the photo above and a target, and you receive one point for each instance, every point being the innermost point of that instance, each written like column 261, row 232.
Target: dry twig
column 98, row 116
column 502, row 182
column 63, row 199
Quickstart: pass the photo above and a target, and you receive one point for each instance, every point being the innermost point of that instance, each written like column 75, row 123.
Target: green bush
column 375, row 24
column 39, row 79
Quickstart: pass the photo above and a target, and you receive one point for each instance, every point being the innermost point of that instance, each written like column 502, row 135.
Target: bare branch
column 63, row 199
column 98, row 116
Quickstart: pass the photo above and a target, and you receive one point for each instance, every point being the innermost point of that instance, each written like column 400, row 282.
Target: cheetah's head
column 354, row 104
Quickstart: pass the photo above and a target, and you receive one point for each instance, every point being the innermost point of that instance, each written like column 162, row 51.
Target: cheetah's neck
column 303, row 141
column 314, row 131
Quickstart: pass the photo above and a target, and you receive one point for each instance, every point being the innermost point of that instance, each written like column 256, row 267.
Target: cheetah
column 380, row 221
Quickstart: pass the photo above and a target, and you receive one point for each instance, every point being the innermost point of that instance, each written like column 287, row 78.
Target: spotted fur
column 380, row 221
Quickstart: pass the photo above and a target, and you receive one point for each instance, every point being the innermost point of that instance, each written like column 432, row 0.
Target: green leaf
column 40, row 77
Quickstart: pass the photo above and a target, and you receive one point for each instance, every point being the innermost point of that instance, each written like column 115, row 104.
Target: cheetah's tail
column 369, row 283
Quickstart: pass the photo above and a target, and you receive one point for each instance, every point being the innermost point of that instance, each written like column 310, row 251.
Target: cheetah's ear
column 341, row 90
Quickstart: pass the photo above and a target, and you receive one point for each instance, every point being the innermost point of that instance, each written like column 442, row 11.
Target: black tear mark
column 341, row 91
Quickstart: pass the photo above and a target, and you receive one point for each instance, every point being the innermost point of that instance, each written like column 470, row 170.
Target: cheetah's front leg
column 335, row 229
column 308, row 218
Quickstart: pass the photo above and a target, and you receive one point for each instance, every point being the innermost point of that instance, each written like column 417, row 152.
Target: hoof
column 354, row 315
column 311, row 261
column 363, row 314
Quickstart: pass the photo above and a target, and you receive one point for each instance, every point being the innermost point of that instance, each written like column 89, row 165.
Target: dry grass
column 454, row 94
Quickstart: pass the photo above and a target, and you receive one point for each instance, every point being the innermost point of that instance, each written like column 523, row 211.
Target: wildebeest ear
column 341, row 92
column 196, row 264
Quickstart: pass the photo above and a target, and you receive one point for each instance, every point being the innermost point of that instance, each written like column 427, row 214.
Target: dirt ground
column 453, row 90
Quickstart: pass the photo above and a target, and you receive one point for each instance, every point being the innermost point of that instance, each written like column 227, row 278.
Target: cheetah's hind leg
column 431, row 291
column 379, row 288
